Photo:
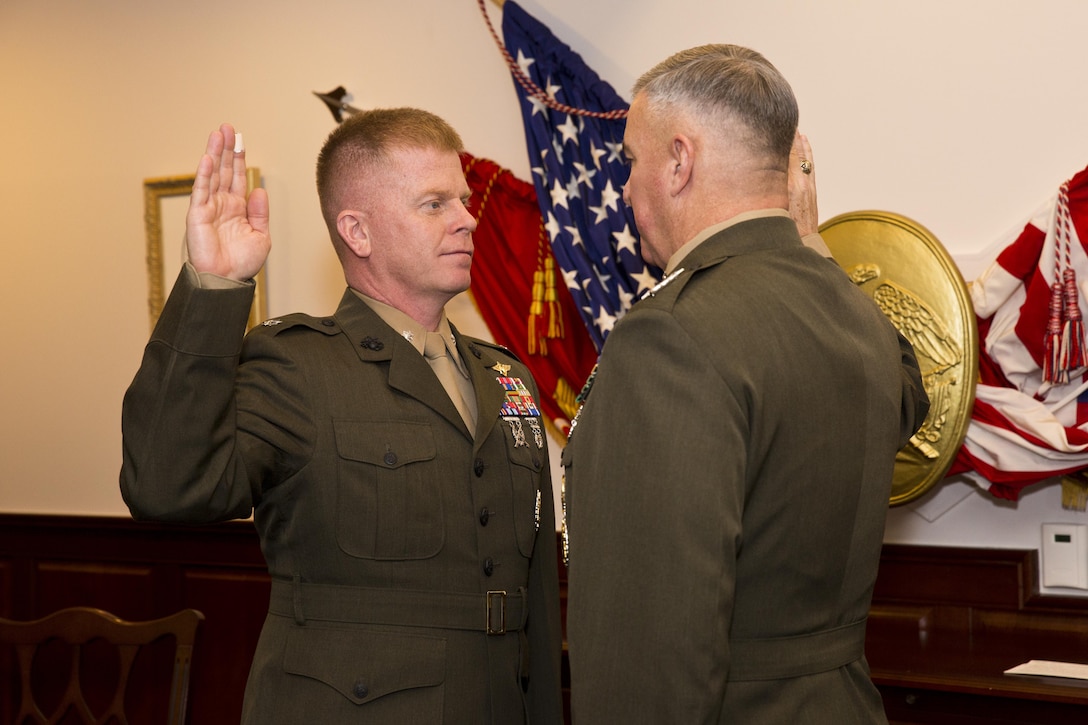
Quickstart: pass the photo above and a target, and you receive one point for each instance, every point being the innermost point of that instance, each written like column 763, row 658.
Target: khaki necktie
column 457, row 386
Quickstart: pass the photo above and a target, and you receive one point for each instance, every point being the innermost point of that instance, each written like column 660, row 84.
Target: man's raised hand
column 225, row 233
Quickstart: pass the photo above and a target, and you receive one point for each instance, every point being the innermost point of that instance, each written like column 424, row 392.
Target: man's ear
column 351, row 225
column 682, row 151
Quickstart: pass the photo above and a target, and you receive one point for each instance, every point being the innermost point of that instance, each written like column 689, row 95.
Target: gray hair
column 722, row 83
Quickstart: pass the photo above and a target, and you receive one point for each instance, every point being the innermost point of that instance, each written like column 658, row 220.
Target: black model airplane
column 334, row 99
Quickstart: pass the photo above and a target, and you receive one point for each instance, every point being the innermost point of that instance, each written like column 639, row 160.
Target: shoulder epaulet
column 665, row 282
column 493, row 346
column 276, row 325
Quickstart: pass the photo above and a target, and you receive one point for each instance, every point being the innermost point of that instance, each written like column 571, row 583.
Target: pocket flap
column 389, row 444
column 363, row 665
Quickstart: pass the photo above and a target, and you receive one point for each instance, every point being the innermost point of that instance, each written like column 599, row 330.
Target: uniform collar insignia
column 372, row 343
column 658, row 287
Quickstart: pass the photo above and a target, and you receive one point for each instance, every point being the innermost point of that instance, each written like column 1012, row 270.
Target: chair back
column 78, row 627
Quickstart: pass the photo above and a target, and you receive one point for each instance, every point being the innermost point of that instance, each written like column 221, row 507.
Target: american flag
column 574, row 126
column 1024, row 428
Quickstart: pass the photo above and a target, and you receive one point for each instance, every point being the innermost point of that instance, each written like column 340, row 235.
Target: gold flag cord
column 532, row 88
column 544, row 298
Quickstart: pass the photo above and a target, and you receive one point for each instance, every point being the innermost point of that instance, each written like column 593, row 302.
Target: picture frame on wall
column 166, row 200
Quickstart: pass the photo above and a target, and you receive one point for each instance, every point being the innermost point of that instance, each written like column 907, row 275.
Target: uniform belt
column 496, row 612
column 776, row 658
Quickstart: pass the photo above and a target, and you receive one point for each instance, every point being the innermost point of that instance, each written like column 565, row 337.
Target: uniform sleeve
column 655, row 494
column 915, row 400
column 544, row 632
column 194, row 448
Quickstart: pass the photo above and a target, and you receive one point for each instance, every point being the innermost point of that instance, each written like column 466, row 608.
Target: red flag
column 520, row 292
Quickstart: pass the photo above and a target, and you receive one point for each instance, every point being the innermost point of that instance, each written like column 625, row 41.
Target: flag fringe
column 565, row 397
column 1075, row 491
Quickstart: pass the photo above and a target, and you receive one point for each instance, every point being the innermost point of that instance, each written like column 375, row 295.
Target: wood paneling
column 144, row 571
column 944, row 625
column 947, row 622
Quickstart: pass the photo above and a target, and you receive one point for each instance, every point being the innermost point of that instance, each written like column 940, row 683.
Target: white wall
column 963, row 116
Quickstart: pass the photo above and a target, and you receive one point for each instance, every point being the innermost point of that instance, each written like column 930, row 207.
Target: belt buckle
column 500, row 595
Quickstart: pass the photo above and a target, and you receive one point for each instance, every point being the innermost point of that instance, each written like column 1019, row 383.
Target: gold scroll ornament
column 911, row 277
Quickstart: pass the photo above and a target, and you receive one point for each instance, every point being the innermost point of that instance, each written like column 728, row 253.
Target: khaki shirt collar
column 414, row 332
column 679, row 255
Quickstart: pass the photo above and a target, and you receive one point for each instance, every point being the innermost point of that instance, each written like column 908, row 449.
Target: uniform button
column 478, row 467
column 390, row 458
column 485, row 515
column 328, row 323
column 536, row 463
column 489, row 566
column 360, row 690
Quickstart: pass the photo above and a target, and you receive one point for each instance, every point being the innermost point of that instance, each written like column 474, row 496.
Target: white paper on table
column 1050, row 669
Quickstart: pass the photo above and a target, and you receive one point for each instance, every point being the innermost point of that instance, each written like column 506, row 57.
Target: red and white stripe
column 1025, row 429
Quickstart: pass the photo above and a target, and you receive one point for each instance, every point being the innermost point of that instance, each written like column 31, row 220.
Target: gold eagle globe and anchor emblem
column 914, row 281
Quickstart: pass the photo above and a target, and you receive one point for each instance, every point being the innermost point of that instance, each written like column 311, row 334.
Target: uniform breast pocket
column 389, row 505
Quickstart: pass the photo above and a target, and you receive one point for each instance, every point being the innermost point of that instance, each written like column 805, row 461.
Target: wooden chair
column 78, row 627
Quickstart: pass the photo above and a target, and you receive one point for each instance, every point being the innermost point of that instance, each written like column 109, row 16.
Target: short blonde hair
column 364, row 141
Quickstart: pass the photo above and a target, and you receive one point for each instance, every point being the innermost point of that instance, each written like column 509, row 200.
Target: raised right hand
column 226, row 234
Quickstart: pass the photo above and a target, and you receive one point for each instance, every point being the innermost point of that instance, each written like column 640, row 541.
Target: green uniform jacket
column 383, row 521
column 727, row 485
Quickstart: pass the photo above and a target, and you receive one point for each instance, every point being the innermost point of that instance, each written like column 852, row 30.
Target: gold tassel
column 536, row 308
column 538, row 294
column 543, row 292
column 555, row 315
column 1075, row 491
